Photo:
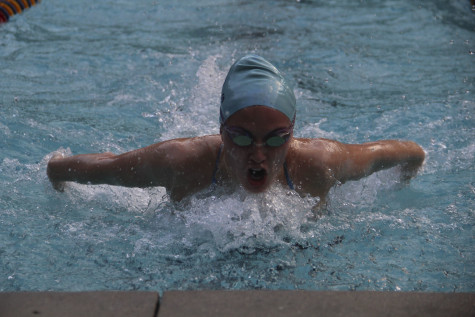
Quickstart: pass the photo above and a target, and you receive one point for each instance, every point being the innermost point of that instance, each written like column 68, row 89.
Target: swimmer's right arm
column 180, row 165
column 139, row 168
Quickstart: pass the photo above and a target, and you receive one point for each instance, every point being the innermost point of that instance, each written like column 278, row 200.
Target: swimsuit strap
column 216, row 165
column 287, row 177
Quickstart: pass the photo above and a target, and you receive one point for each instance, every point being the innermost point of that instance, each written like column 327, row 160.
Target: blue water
column 82, row 77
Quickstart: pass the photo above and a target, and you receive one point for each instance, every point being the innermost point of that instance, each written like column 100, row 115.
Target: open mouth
column 257, row 174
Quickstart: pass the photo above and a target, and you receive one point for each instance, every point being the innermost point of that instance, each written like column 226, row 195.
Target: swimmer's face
column 258, row 165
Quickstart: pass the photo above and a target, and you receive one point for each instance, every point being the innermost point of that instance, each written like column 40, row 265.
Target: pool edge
column 249, row 303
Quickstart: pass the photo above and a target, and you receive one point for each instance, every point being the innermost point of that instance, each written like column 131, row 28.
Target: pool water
column 84, row 77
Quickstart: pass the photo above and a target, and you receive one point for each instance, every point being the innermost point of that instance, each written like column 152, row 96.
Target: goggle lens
column 242, row 140
column 246, row 140
column 277, row 140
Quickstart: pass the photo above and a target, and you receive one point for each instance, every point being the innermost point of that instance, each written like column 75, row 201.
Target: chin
column 256, row 187
column 256, row 190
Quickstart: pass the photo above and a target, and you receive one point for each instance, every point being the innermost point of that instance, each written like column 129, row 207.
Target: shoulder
column 185, row 151
column 317, row 151
column 314, row 163
column 190, row 163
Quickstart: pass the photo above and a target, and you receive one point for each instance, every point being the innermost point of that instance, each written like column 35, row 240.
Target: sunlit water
column 82, row 77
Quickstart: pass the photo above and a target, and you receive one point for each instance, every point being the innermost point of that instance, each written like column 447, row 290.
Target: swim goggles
column 243, row 138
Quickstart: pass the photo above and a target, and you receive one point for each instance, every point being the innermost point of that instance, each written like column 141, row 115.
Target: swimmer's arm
column 360, row 160
column 84, row 168
column 149, row 166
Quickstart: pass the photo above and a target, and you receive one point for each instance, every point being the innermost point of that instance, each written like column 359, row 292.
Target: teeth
column 255, row 171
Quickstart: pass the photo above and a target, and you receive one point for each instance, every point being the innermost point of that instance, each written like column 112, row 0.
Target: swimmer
column 255, row 148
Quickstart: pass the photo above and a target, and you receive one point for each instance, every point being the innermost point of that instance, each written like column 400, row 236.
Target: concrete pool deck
column 236, row 303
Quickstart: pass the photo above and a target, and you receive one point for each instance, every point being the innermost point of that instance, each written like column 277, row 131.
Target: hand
column 409, row 170
column 59, row 186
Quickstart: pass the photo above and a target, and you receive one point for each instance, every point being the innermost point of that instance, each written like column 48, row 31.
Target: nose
column 258, row 153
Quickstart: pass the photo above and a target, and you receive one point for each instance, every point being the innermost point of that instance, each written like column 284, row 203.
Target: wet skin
column 185, row 166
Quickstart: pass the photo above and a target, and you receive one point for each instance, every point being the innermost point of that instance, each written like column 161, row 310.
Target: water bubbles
column 247, row 222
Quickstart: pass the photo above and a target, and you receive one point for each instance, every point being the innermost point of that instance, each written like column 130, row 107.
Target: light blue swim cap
column 253, row 81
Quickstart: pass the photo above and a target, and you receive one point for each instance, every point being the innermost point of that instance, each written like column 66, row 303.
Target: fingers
column 56, row 156
column 59, row 186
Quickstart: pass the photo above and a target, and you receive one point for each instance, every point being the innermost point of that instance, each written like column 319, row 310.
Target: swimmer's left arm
column 360, row 160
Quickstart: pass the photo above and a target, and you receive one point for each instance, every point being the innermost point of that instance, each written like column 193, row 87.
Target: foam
column 249, row 221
